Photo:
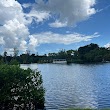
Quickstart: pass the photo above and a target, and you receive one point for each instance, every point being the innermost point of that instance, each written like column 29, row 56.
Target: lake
column 75, row 85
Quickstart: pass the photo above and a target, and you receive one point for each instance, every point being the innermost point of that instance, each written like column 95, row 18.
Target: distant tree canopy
column 20, row 89
column 87, row 48
column 93, row 53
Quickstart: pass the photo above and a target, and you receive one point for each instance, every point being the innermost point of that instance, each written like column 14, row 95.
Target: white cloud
column 13, row 29
column 58, row 24
column 69, row 11
column 27, row 5
column 14, row 22
column 1, row 40
column 49, row 37
column 38, row 16
column 10, row 9
column 33, row 43
column 13, row 33
column 107, row 45
column 23, row 46
column 103, row 9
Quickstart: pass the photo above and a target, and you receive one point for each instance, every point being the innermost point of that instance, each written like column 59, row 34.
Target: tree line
column 91, row 53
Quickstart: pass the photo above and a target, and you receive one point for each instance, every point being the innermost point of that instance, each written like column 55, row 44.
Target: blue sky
column 45, row 26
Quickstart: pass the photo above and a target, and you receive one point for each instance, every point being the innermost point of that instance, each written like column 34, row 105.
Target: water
column 75, row 86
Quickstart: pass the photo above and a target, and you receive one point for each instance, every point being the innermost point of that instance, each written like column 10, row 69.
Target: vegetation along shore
column 91, row 53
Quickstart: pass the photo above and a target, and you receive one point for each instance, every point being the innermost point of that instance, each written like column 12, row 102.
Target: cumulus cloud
column 68, row 11
column 33, row 43
column 10, row 9
column 13, row 33
column 13, row 29
column 49, row 37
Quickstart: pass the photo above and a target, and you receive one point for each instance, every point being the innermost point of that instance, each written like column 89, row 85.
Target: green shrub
column 14, row 62
column 20, row 89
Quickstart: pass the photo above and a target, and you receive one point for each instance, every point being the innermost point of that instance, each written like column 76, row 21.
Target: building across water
column 59, row 61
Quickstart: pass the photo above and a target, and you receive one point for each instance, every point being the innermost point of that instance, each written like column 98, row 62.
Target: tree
column 5, row 56
column 62, row 54
column 20, row 89
column 1, row 61
column 14, row 62
column 15, row 52
column 87, row 48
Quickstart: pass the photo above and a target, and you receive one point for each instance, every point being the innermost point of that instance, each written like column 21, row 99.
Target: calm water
column 75, row 86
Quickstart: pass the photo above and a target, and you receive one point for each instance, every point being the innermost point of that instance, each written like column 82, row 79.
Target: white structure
column 59, row 61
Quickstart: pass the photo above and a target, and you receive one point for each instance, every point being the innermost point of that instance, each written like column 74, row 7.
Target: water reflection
column 79, row 86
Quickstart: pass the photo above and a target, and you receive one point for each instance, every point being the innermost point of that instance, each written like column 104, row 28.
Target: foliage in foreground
column 20, row 89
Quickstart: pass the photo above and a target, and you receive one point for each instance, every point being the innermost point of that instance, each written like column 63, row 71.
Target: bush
column 14, row 62
column 20, row 89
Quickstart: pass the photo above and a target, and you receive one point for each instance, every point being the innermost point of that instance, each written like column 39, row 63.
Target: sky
column 45, row 26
